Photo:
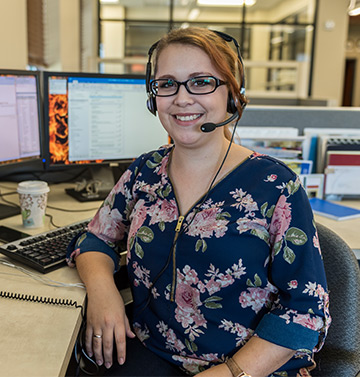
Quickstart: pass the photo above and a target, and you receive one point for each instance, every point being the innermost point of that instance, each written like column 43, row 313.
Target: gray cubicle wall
column 301, row 117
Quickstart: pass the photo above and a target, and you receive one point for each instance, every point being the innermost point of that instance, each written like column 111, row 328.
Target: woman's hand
column 106, row 317
column 106, row 310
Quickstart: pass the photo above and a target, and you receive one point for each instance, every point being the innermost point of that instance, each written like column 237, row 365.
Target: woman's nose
column 183, row 97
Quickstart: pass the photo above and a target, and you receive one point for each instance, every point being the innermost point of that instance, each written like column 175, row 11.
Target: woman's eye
column 167, row 84
column 201, row 82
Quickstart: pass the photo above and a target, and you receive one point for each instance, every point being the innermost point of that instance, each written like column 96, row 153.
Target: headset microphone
column 209, row 127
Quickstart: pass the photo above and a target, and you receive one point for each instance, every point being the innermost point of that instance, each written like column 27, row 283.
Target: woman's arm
column 257, row 357
column 106, row 310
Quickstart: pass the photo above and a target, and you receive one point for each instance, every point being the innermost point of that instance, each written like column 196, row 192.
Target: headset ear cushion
column 231, row 106
column 151, row 104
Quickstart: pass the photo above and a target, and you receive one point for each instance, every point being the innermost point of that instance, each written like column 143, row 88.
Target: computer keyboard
column 46, row 251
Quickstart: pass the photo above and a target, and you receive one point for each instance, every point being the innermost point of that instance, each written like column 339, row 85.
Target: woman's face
column 183, row 113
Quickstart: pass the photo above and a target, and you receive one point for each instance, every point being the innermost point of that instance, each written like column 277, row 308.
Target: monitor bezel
column 25, row 165
column 45, row 91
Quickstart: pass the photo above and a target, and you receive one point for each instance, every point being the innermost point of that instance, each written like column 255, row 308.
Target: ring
column 97, row 336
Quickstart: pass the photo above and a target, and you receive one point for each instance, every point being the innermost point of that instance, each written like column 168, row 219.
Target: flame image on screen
column 58, row 129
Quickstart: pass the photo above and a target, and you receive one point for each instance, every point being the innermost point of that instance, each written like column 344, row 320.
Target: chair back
column 340, row 355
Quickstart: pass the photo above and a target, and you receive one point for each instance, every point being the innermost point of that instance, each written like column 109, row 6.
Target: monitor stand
column 8, row 211
column 96, row 188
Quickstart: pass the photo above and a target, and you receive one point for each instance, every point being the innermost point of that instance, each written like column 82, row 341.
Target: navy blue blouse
column 244, row 261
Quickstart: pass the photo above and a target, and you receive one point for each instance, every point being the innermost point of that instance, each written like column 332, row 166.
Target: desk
column 28, row 349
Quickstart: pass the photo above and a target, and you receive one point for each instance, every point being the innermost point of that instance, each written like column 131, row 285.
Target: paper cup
column 33, row 198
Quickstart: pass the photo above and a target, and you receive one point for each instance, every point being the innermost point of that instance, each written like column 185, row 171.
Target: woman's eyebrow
column 194, row 74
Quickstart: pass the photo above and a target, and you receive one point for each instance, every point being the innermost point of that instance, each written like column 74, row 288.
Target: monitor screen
column 97, row 119
column 19, row 117
column 20, row 126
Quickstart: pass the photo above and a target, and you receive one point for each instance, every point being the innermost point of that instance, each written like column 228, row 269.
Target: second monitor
column 97, row 120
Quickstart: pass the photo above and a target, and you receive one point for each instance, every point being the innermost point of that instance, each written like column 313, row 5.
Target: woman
column 223, row 255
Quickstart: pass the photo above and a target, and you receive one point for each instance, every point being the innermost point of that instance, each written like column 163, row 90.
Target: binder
column 332, row 210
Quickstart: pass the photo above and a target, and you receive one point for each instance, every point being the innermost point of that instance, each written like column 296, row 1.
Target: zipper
column 177, row 232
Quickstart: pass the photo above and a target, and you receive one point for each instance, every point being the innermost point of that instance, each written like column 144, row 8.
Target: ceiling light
column 220, row 3
column 354, row 12
column 354, row 8
column 109, row 1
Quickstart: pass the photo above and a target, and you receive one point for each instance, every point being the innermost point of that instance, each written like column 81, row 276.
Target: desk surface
column 32, row 350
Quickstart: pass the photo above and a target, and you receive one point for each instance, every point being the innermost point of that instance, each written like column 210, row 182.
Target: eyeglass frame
column 218, row 82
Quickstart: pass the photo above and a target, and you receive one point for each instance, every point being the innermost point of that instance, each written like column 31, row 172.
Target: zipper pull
column 179, row 223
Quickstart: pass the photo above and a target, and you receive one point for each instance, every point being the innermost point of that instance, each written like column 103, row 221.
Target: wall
column 70, row 35
column 353, row 52
column 329, row 59
column 13, row 34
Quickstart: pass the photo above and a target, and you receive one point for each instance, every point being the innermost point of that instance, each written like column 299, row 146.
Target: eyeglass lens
column 195, row 85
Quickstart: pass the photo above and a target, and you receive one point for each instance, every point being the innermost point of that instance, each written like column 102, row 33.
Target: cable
column 52, row 221
column 8, row 193
column 186, row 226
column 7, row 201
column 41, row 278
column 72, row 210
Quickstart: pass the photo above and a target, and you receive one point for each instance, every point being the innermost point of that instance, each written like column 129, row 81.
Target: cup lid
column 33, row 187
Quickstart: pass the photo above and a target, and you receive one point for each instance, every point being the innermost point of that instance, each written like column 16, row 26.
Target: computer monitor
column 96, row 120
column 20, row 126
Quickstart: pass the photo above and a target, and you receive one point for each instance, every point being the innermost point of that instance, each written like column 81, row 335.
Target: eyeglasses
column 196, row 85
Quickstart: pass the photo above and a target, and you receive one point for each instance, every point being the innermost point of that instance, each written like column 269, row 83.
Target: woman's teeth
column 187, row 118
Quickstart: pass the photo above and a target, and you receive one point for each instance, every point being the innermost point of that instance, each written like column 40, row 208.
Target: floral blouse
column 244, row 261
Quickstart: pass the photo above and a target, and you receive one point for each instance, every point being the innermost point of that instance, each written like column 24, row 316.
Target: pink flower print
column 120, row 185
column 137, row 218
column 316, row 242
column 171, row 340
column 303, row 372
column 235, row 328
column 192, row 365
column 213, row 286
column 293, row 284
column 161, row 169
column 187, row 297
column 207, row 223
column 280, row 220
column 163, row 211
column 256, row 298
column 107, row 224
column 271, row 178
column 188, row 301
column 142, row 275
column 190, row 275
column 312, row 323
column 244, row 201
column 245, row 224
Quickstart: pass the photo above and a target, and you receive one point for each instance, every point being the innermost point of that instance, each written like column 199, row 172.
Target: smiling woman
column 224, row 263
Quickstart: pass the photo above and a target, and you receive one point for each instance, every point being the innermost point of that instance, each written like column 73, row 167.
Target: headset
column 231, row 105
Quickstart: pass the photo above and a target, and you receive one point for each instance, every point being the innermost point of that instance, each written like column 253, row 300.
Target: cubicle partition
column 301, row 117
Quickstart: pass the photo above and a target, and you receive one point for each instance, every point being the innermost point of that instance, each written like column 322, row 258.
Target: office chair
column 340, row 355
